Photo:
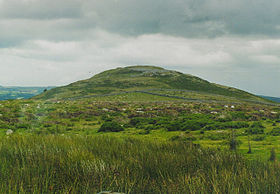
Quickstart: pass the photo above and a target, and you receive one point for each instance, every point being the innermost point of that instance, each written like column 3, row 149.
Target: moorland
column 140, row 129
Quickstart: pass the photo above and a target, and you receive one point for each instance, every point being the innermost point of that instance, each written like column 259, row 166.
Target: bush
column 255, row 128
column 218, row 136
column 110, row 126
column 275, row 131
column 257, row 125
column 174, row 126
column 233, row 142
column 239, row 116
column 183, row 138
column 254, row 131
column 258, row 138
column 226, row 125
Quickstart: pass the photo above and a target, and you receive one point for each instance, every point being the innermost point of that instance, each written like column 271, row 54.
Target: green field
column 7, row 93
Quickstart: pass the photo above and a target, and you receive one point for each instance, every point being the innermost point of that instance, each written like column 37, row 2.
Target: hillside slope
column 142, row 78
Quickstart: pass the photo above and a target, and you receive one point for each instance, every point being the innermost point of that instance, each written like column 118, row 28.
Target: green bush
column 254, row 131
column 258, row 138
column 217, row 136
column 226, row 125
column 255, row 128
column 174, row 126
column 110, row 126
column 275, row 131
column 194, row 125
column 257, row 125
column 239, row 116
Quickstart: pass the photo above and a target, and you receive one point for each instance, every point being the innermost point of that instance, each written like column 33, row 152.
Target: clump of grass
column 81, row 164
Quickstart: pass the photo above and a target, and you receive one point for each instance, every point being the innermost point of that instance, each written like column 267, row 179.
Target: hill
column 148, row 79
column 7, row 93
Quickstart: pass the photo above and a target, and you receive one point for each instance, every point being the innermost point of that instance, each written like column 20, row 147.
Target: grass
column 56, row 147
column 83, row 164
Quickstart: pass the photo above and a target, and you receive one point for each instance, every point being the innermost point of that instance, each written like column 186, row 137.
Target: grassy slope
column 57, row 164
column 142, row 78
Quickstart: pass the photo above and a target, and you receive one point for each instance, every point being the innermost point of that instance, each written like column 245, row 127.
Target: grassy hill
column 150, row 79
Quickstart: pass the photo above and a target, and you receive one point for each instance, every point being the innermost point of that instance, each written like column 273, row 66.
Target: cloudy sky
column 56, row 42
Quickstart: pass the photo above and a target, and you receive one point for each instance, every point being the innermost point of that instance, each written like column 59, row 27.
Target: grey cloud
column 40, row 9
column 63, row 20
column 188, row 18
column 69, row 38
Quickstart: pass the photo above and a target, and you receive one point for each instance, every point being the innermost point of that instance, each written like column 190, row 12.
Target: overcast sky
column 56, row 42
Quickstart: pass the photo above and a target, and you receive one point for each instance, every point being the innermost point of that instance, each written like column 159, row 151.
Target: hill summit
column 142, row 78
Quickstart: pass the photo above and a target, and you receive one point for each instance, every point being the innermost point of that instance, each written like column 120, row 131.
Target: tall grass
column 76, row 164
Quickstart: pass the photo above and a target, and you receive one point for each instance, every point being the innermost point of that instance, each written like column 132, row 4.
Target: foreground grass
column 77, row 164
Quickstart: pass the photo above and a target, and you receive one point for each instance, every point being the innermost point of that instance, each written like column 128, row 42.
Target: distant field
column 7, row 93
column 275, row 99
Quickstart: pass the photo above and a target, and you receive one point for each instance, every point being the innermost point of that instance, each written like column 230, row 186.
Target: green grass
column 56, row 146
column 83, row 164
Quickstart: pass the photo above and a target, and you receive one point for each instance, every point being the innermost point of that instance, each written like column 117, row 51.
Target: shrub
column 226, row 125
column 183, row 138
column 253, row 131
column 233, row 143
column 136, row 121
column 218, row 136
column 275, row 131
column 257, row 125
column 144, row 132
column 110, row 126
column 174, row 126
column 255, row 128
column 194, row 125
column 239, row 116
column 258, row 138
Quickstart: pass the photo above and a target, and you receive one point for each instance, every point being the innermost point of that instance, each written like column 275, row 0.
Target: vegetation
column 73, row 164
column 110, row 126
column 126, row 139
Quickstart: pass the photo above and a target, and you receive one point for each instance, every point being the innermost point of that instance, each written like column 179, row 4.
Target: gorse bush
column 258, row 138
column 257, row 125
column 255, row 128
column 275, row 131
column 111, row 126
column 65, row 164
column 226, row 125
column 253, row 131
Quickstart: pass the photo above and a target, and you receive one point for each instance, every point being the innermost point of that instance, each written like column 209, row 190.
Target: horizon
column 229, row 43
